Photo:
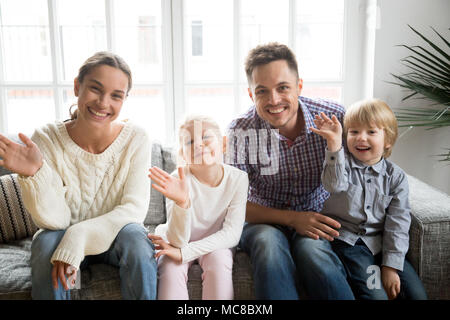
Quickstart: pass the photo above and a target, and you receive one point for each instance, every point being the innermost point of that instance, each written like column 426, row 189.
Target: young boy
column 369, row 198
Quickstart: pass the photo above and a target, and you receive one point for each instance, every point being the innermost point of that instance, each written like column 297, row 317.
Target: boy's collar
column 379, row 167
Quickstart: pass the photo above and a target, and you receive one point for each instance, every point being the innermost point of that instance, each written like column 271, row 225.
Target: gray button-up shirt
column 371, row 203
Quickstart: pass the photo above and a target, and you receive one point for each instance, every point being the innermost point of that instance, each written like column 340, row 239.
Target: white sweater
column 214, row 219
column 92, row 196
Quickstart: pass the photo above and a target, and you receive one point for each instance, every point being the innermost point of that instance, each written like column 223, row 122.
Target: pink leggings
column 217, row 278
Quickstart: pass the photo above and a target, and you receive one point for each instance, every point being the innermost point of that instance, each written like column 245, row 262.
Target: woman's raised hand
column 25, row 160
column 329, row 129
column 172, row 187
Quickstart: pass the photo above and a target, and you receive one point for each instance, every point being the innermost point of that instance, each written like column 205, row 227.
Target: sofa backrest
column 165, row 159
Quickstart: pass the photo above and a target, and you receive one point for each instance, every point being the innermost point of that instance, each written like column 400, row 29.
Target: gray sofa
column 429, row 245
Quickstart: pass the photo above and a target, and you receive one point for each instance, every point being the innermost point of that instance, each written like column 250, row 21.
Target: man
column 285, row 236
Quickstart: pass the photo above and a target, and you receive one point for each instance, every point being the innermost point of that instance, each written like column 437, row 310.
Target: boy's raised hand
column 172, row 187
column 25, row 160
column 329, row 129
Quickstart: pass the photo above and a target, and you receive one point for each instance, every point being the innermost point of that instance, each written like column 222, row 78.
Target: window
column 186, row 55
column 197, row 38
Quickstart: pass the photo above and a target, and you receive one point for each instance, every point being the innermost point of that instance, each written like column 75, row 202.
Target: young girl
column 206, row 202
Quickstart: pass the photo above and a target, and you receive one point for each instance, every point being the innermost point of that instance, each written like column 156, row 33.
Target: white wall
column 413, row 151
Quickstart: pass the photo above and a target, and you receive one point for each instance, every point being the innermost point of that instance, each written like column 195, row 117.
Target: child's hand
column 391, row 281
column 172, row 187
column 165, row 248
column 25, row 160
column 329, row 129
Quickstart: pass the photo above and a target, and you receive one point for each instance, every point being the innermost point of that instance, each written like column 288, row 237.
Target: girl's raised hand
column 25, row 160
column 172, row 187
column 329, row 129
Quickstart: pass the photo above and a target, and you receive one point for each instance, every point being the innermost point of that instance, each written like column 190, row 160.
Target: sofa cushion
column 15, row 270
column 15, row 221
column 163, row 158
column 429, row 250
column 98, row 281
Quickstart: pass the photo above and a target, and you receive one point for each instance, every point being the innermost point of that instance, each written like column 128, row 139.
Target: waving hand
column 172, row 187
column 329, row 129
column 25, row 159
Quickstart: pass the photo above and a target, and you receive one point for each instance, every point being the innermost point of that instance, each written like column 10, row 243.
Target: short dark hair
column 266, row 53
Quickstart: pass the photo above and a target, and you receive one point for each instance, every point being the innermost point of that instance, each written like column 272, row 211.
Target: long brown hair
column 98, row 59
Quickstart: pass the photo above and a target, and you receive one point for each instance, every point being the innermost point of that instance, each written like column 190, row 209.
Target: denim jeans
column 132, row 252
column 358, row 258
column 288, row 266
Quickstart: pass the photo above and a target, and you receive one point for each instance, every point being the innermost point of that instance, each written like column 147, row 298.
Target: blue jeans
column 132, row 252
column 357, row 259
column 289, row 266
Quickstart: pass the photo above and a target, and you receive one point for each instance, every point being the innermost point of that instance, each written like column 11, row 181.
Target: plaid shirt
column 282, row 174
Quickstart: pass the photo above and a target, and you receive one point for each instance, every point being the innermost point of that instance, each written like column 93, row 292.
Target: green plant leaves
column 429, row 79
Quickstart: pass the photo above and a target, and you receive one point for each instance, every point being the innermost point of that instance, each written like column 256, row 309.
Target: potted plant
column 428, row 78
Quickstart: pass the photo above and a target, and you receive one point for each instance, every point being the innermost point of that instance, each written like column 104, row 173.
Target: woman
column 84, row 183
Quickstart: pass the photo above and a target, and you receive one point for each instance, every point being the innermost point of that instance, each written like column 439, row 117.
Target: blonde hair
column 190, row 120
column 373, row 112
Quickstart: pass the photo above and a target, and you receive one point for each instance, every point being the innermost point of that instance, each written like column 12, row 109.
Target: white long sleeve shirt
column 214, row 219
column 92, row 196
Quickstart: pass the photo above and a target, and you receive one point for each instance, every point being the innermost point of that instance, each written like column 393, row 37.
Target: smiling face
column 366, row 143
column 201, row 144
column 101, row 95
column 274, row 89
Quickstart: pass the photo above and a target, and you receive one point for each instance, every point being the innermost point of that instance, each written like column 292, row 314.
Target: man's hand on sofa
column 165, row 248
column 25, row 160
column 59, row 272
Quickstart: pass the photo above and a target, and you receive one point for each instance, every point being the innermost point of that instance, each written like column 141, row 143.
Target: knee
column 218, row 262
column 312, row 250
column 168, row 270
column 134, row 249
column 131, row 232
column 44, row 244
column 132, row 239
column 267, row 241
column 316, row 256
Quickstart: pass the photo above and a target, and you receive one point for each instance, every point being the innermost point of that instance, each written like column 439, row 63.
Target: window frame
column 173, row 49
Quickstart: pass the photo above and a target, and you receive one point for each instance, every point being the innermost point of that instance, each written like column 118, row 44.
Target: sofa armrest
column 429, row 247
